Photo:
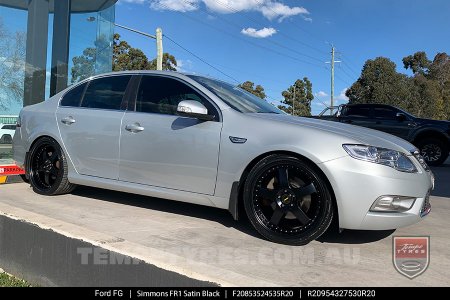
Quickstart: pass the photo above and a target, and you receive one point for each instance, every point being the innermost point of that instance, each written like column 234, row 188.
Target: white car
column 7, row 133
column 200, row 140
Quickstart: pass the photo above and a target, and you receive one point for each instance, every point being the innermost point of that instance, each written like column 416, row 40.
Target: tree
column 12, row 67
column 258, row 91
column 297, row 98
column 124, row 58
column 418, row 63
column 380, row 83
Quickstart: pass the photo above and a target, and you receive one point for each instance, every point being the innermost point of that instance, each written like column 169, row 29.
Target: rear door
column 89, row 119
column 167, row 150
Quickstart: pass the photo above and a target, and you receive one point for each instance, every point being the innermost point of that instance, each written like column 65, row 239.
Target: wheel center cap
column 285, row 198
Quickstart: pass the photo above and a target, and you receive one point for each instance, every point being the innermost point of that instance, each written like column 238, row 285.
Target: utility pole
column 293, row 101
column 159, row 49
column 332, row 80
column 157, row 37
column 332, row 62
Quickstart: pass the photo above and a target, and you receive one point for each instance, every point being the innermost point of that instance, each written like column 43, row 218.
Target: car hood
column 359, row 134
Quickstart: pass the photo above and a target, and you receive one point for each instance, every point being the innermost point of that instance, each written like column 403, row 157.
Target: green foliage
column 10, row 281
column 297, row 98
column 426, row 94
column 125, row 58
column 258, row 91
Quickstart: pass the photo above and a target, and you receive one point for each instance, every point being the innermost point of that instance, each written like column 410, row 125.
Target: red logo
column 411, row 255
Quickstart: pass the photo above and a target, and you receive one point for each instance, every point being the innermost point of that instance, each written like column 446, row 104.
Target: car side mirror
column 193, row 109
column 401, row 117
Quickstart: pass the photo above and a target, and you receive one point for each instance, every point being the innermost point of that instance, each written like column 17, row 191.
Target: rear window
column 106, row 92
column 73, row 97
column 357, row 111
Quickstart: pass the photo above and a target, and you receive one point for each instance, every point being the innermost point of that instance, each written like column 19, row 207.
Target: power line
column 281, row 33
column 201, row 59
column 245, row 40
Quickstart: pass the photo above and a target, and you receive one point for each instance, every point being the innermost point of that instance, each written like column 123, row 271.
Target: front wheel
column 48, row 168
column 287, row 200
column 433, row 150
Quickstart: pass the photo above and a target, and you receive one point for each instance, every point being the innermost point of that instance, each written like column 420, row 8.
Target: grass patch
column 11, row 281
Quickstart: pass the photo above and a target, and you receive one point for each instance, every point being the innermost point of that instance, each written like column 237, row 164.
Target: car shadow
column 347, row 236
column 220, row 216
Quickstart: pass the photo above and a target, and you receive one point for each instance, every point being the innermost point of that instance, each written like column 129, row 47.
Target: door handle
column 68, row 120
column 134, row 128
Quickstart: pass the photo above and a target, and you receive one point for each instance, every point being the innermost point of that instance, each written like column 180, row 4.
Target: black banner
column 217, row 293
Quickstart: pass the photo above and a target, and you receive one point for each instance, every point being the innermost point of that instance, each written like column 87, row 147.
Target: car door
column 89, row 119
column 161, row 149
column 386, row 120
column 357, row 115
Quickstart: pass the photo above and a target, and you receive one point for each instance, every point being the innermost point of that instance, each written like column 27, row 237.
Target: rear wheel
column 48, row 168
column 287, row 200
column 433, row 150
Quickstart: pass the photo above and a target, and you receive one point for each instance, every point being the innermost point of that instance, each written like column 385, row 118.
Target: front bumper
column 357, row 184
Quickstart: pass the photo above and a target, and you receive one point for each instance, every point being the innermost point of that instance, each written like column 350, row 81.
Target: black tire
column 24, row 178
column 433, row 150
column 47, row 167
column 295, row 208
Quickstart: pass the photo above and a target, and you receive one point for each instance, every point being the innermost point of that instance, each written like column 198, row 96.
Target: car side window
column 357, row 111
column 161, row 95
column 106, row 92
column 384, row 113
column 9, row 127
column 73, row 97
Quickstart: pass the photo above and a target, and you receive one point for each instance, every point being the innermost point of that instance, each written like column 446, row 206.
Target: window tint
column 384, row 113
column 106, row 92
column 11, row 127
column 161, row 95
column 73, row 97
column 357, row 111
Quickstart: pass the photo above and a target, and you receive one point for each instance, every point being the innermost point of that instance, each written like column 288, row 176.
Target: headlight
column 382, row 156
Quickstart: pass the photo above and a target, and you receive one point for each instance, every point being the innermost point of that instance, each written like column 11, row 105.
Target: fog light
column 393, row 204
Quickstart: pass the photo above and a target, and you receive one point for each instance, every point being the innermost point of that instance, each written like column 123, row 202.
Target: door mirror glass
column 193, row 109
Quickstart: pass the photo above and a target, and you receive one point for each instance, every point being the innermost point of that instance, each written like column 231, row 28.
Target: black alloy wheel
column 47, row 168
column 434, row 151
column 287, row 200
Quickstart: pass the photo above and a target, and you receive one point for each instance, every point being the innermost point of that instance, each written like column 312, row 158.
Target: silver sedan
column 204, row 141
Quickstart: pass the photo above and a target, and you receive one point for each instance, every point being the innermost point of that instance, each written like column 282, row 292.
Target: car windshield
column 236, row 97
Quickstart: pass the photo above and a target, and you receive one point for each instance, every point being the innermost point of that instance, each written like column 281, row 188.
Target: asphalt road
column 208, row 244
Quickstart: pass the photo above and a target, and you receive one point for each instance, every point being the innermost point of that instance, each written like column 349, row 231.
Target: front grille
column 421, row 160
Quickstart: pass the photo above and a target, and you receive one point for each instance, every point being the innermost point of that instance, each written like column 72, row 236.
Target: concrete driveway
column 208, row 244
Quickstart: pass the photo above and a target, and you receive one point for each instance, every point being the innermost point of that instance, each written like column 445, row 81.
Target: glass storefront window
column 27, row 52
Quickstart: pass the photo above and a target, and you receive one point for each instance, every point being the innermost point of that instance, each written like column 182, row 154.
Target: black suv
column 432, row 137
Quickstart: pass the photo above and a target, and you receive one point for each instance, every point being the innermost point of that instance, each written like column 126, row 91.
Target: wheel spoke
column 282, row 177
column 301, row 216
column 47, row 178
column 268, row 194
column 305, row 190
column 54, row 171
column 278, row 214
column 54, row 157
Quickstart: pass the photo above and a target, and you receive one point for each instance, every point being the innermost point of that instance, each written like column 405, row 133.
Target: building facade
column 46, row 45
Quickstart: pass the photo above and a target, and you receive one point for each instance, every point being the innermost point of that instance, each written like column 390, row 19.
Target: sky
column 275, row 42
